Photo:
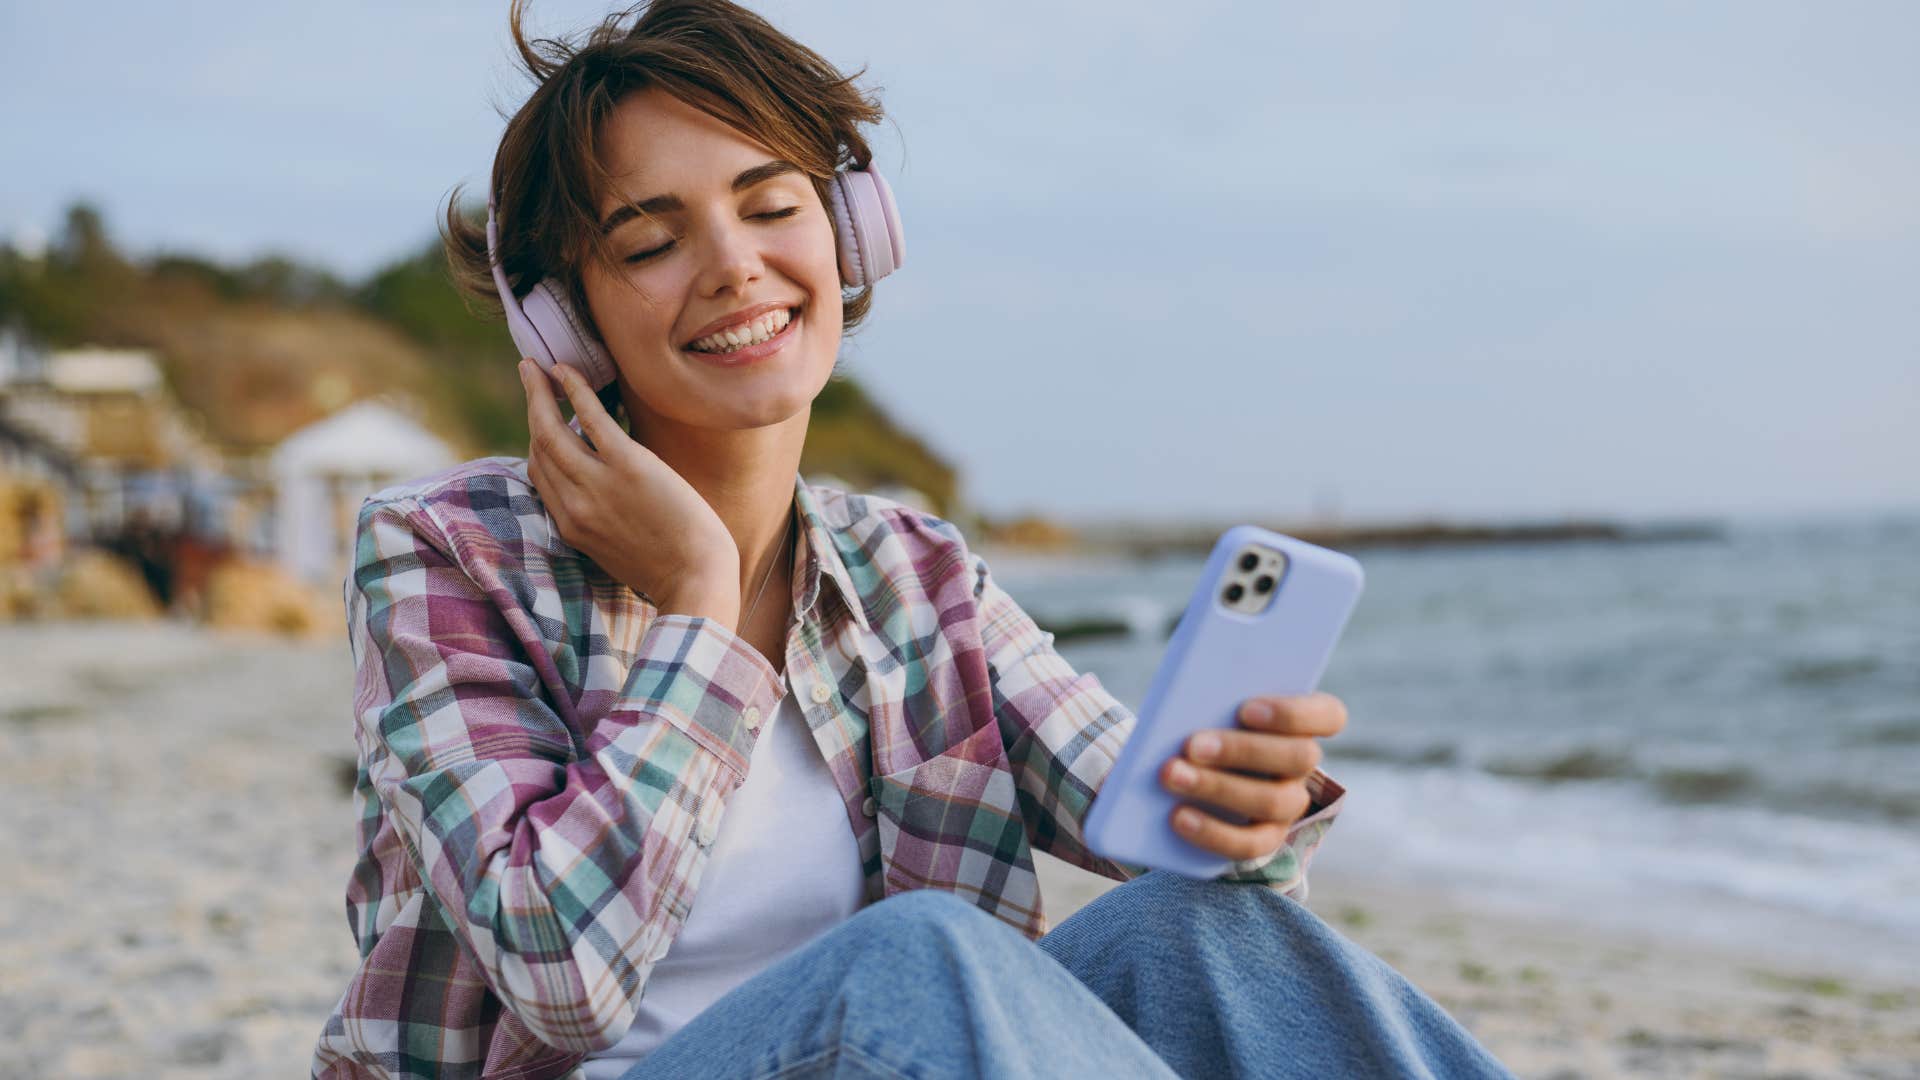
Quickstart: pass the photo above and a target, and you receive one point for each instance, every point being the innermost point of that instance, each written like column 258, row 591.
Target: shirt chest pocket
column 950, row 819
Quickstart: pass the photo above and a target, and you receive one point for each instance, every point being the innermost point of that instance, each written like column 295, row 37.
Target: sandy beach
column 179, row 832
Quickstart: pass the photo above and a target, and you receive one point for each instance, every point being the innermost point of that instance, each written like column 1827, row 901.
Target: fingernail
column 1204, row 747
column 1258, row 712
column 1187, row 819
column 1182, row 775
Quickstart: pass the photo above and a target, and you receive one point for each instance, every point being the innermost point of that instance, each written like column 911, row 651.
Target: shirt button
column 753, row 717
column 822, row 693
column 708, row 830
column 867, row 807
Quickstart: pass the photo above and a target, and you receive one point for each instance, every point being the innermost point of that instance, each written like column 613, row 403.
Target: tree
column 83, row 244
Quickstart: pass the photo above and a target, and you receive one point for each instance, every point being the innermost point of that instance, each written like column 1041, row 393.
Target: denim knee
column 1159, row 904
column 921, row 933
column 926, row 978
column 921, row 984
column 912, row 914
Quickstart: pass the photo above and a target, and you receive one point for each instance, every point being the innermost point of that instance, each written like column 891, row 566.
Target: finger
column 1260, row 752
column 1318, row 713
column 557, row 494
column 599, row 428
column 1225, row 838
column 1259, row 798
column 549, row 436
column 542, row 481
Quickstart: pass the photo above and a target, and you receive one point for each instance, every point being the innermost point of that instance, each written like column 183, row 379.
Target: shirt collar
column 823, row 554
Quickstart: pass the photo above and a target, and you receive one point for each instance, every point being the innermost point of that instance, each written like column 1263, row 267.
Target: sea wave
column 1578, row 763
column 1899, row 732
column 1714, row 784
column 1432, row 754
column 1729, row 783
column 1820, row 671
column 1605, row 843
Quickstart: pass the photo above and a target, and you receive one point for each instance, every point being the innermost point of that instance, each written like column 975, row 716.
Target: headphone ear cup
column 543, row 325
column 565, row 335
column 526, row 337
column 866, row 223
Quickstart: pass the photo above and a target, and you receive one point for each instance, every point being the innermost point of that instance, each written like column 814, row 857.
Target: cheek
column 820, row 256
column 631, row 306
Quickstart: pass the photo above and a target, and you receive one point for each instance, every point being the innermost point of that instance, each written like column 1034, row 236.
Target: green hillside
column 258, row 350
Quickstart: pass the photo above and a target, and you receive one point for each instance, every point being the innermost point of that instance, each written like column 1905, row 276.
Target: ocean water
column 1720, row 736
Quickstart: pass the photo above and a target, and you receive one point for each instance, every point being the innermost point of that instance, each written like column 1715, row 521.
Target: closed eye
column 643, row 256
column 771, row 215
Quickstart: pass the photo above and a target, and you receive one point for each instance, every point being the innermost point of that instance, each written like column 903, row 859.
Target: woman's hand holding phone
column 1256, row 634
column 619, row 504
column 1258, row 769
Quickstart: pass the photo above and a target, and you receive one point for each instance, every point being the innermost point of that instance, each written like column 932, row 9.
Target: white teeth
column 752, row 333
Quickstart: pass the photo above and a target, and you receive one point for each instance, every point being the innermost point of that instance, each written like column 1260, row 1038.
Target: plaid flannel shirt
column 544, row 759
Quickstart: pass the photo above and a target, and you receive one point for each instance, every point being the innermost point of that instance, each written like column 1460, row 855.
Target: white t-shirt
column 783, row 869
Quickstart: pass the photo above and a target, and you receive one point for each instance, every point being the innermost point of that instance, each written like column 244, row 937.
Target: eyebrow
column 660, row 204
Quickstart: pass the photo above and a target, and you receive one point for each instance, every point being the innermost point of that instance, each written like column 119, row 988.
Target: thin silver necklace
column 768, row 576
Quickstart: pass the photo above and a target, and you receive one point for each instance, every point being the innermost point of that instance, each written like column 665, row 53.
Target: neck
column 747, row 476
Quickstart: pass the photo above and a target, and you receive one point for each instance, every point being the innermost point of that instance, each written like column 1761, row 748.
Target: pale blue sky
column 1472, row 259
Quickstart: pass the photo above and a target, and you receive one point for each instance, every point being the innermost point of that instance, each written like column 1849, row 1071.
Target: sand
column 179, row 833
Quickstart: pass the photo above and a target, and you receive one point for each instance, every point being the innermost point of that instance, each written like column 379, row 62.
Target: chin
column 773, row 401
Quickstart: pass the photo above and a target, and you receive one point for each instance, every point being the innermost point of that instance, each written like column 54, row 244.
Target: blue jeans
column 1160, row 976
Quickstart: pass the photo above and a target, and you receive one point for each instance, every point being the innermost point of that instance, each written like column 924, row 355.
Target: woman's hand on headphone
column 619, row 504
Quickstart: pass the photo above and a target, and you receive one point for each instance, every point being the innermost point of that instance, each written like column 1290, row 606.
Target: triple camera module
column 1251, row 579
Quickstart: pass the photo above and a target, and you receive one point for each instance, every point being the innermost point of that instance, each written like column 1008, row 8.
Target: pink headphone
column 866, row 228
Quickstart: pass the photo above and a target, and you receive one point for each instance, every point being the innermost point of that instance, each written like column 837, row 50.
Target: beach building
column 37, row 472
column 101, row 425
column 27, row 454
column 96, row 453
column 22, row 360
column 36, row 482
column 322, row 472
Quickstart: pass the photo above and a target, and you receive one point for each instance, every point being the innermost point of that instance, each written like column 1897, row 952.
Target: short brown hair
column 714, row 55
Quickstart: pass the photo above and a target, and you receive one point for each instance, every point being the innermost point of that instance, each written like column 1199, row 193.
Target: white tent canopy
column 323, row 471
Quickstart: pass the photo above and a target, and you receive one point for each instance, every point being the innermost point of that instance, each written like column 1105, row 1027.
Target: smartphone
column 1263, row 620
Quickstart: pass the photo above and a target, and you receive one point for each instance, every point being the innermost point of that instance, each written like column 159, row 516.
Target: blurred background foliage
column 259, row 349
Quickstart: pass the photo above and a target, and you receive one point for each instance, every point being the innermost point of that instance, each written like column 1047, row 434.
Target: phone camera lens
column 1249, row 561
column 1235, row 592
column 1263, row 583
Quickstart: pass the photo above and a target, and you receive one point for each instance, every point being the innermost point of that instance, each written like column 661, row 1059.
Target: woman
column 671, row 762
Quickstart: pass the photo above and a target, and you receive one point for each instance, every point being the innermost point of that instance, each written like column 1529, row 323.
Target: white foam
column 1603, row 852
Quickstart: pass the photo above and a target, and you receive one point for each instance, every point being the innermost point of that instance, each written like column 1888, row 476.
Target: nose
column 731, row 260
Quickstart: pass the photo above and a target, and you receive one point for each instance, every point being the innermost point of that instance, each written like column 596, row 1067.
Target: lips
column 744, row 315
column 749, row 355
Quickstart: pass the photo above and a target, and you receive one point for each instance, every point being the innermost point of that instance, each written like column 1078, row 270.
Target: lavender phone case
column 1217, row 659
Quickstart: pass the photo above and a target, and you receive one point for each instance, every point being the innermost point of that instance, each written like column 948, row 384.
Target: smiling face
column 730, row 233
